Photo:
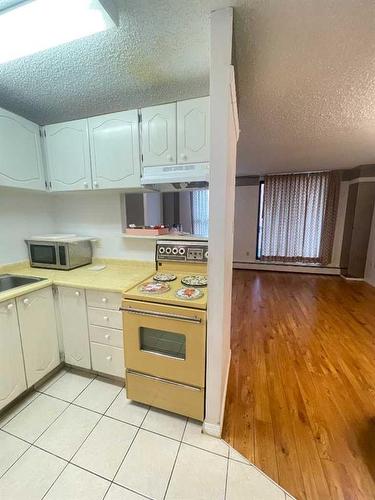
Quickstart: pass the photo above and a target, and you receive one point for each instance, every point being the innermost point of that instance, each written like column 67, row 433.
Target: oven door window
column 43, row 254
column 162, row 342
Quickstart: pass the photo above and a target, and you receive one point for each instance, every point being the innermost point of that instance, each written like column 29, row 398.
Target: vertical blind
column 299, row 215
column 199, row 212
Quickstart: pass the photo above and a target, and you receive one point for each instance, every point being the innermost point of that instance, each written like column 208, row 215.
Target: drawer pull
column 143, row 312
column 106, row 318
column 165, row 381
column 107, row 336
column 77, row 294
column 104, row 300
column 109, row 358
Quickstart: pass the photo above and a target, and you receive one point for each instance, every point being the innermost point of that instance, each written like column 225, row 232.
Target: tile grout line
column 131, row 444
column 32, row 444
column 226, row 478
column 175, row 460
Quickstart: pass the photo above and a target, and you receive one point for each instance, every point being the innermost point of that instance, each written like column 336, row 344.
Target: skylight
column 37, row 25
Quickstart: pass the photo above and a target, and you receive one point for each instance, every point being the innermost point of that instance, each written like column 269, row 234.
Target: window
column 199, row 212
column 260, row 220
column 297, row 214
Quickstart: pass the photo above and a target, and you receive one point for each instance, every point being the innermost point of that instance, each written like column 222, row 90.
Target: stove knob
column 168, row 250
column 206, row 254
column 181, row 251
column 175, row 251
column 161, row 250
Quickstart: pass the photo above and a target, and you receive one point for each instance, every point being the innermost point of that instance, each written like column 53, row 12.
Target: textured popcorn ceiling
column 305, row 75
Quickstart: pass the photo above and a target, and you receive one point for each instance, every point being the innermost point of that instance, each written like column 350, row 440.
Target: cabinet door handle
column 85, row 185
column 107, row 336
column 96, row 184
column 26, row 302
column 183, row 156
column 109, row 358
column 105, row 318
column 10, row 307
column 77, row 293
column 169, row 158
column 104, row 300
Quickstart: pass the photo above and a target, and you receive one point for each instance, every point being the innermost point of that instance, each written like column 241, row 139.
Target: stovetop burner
column 195, row 280
column 164, row 277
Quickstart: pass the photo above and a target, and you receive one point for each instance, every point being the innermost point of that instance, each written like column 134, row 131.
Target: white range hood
column 172, row 177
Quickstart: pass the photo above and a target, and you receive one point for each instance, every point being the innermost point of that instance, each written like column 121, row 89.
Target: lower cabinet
column 74, row 326
column 37, row 321
column 12, row 373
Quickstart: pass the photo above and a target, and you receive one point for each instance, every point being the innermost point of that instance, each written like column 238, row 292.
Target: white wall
column 22, row 214
column 246, row 221
column 370, row 263
column 223, row 145
column 98, row 214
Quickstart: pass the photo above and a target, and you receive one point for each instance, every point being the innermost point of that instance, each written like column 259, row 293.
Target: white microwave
column 59, row 251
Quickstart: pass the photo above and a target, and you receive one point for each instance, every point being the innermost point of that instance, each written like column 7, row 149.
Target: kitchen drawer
column 107, row 300
column 107, row 359
column 171, row 396
column 105, row 317
column 107, row 336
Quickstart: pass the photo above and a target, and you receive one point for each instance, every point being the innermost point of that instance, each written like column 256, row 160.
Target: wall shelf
column 165, row 237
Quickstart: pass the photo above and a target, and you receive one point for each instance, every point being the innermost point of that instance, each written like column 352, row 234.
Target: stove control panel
column 182, row 251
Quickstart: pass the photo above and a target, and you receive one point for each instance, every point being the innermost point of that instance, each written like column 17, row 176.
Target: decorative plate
column 194, row 280
column 154, row 288
column 189, row 293
column 164, row 277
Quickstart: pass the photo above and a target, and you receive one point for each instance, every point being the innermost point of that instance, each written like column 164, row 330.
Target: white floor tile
column 31, row 476
column 198, row 474
column 11, row 448
column 99, row 395
column 105, row 448
column 68, row 432
column 69, row 386
column 26, row 400
column 119, row 493
column 246, row 482
column 51, row 380
column 193, row 435
column 164, row 422
column 126, row 410
column 235, row 455
column 148, row 464
column 33, row 420
column 75, row 483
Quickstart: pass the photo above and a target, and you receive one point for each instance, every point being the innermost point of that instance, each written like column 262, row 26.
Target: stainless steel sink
column 9, row 281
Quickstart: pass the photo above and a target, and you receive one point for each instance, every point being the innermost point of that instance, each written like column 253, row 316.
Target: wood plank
column 301, row 393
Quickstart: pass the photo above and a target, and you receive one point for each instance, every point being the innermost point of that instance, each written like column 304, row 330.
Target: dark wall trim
column 358, row 172
column 247, row 180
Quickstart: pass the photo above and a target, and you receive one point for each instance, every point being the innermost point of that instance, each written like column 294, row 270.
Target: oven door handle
column 155, row 314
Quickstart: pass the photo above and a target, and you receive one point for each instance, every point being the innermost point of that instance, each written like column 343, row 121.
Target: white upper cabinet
column 193, row 130
column 75, row 331
column 159, row 135
column 36, row 315
column 115, row 157
column 68, row 156
column 20, row 153
column 12, row 375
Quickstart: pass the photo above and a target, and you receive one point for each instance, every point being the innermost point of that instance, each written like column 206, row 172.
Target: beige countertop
column 118, row 276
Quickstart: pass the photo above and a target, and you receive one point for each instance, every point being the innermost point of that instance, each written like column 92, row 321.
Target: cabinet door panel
column 68, row 155
column 20, row 153
column 159, row 135
column 193, row 130
column 75, row 333
column 36, row 314
column 114, row 141
column 12, row 373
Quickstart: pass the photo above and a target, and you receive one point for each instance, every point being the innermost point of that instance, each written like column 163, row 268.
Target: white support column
column 223, row 149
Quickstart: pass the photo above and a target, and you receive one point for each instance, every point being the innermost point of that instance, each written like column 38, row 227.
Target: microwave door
column 43, row 255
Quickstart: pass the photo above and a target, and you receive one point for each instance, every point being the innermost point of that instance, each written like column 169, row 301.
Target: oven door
column 165, row 341
column 43, row 254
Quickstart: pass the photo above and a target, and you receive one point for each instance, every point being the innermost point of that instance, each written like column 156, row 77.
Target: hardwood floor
column 301, row 393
